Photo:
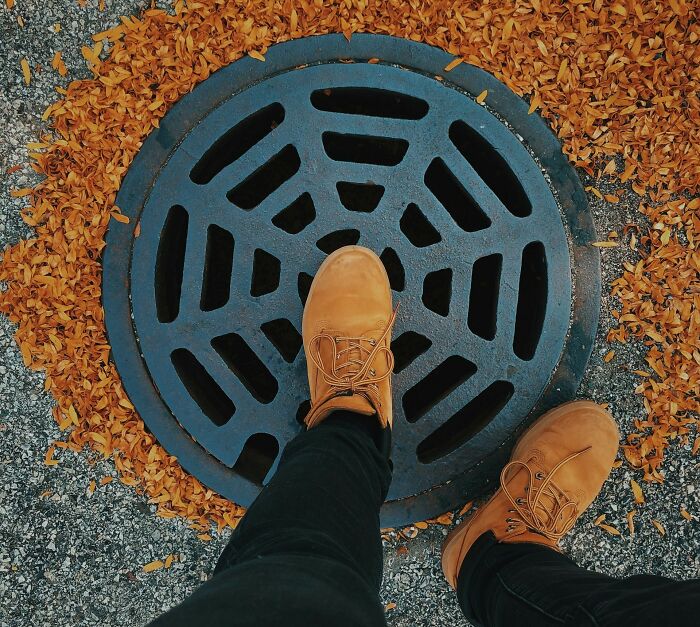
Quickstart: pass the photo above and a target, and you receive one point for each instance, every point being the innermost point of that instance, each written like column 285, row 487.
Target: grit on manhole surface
column 73, row 552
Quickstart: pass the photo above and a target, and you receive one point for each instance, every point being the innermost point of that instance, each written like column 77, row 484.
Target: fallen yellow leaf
column 659, row 527
column 26, row 71
column 453, row 64
column 611, row 530
column 151, row 566
column 637, row 491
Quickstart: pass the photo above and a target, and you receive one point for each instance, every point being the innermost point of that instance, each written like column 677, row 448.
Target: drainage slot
column 302, row 410
column 236, row 142
column 170, row 262
column 408, row 347
column 437, row 385
column 363, row 197
column 532, row 301
column 303, row 286
column 337, row 239
column 483, row 296
column 266, row 273
column 466, row 423
column 380, row 103
column 394, row 269
column 266, row 179
column 284, row 337
column 259, row 453
column 246, row 365
column 445, row 186
column 364, row 148
column 212, row 400
column 416, row 227
column 437, row 291
column 492, row 168
column 218, row 264
column 295, row 218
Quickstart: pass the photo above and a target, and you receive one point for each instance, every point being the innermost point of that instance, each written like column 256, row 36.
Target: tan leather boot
column 347, row 336
column 555, row 471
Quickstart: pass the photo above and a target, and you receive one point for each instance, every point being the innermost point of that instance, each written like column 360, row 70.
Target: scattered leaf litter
column 618, row 83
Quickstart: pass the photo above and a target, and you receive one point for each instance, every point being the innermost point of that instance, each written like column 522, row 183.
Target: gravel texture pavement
column 69, row 556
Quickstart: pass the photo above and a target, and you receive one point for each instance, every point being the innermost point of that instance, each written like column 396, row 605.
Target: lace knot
column 351, row 368
column 545, row 508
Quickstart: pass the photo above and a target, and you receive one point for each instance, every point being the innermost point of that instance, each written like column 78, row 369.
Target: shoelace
column 362, row 380
column 553, row 519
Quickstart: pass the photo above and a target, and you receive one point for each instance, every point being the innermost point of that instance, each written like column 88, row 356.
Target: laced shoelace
column 351, row 371
column 552, row 519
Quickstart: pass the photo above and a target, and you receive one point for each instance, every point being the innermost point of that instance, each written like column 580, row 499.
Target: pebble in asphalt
column 74, row 558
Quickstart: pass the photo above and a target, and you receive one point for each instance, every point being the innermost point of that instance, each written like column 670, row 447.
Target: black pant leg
column 308, row 551
column 528, row 585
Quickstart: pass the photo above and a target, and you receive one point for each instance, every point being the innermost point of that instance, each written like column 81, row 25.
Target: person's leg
column 525, row 585
column 308, row 551
column 504, row 561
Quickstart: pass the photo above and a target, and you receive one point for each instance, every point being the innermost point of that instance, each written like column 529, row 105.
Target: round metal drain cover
column 264, row 169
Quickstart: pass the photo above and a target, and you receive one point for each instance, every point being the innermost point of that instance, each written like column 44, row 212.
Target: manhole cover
column 264, row 169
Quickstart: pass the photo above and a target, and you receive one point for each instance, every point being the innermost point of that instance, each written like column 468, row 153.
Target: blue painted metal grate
column 253, row 191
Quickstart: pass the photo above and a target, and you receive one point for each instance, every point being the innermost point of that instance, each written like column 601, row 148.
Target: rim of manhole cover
column 265, row 168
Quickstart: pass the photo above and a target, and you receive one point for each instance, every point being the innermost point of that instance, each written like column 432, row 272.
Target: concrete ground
column 70, row 557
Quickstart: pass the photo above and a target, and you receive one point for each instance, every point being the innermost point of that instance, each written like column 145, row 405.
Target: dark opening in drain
column 408, row 347
column 266, row 179
column 483, row 296
column 212, row 400
column 364, row 148
column 266, row 273
column 218, row 265
column 297, row 216
column 246, row 365
column 532, row 301
column 363, row 197
column 394, row 269
column 304, row 281
column 441, row 381
column 236, row 142
column 257, row 457
column 284, row 337
column 368, row 101
column 417, row 228
column 302, row 410
column 170, row 262
column 437, row 291
column 447, row 188
column 466, row 423
column 337, row 239
column 492, row 168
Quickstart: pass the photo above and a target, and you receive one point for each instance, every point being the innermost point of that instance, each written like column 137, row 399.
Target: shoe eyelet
column 372, row 341
column 372, row 371
column 539, row 475
column 520, row 501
